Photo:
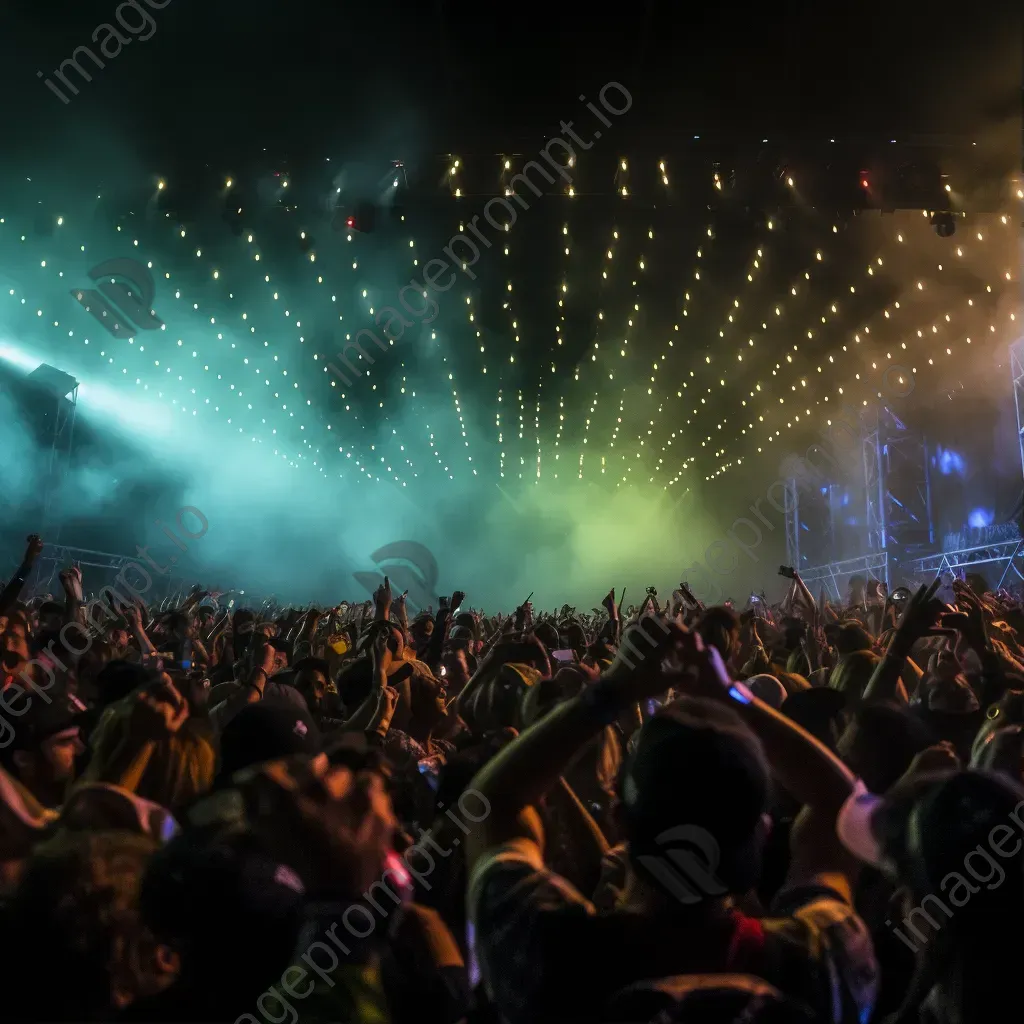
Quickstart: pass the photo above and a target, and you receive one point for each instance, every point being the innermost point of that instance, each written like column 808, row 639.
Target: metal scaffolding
column 107, row 568
column 51, row 398
column 897, row 486
column 873, row 566
column 792, row 507
column 1002, row 554
column 1017, row 371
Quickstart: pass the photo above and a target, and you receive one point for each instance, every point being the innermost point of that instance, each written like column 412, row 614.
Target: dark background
column 236, row 75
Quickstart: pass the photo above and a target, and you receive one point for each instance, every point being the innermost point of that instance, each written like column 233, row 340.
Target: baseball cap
column 767, row 688
column 95, row 806
column 462, row 633
column 43, row 720
column 263, row 732
column 928, row 826
column 311, row 665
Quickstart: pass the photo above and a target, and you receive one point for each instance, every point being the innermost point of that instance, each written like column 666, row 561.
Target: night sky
column 613, row 351
column 232, row 73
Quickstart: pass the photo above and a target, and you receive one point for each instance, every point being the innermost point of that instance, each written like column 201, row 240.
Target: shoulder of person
column 816, row 924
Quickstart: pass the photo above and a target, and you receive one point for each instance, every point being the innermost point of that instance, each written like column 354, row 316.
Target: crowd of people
column 807, row 810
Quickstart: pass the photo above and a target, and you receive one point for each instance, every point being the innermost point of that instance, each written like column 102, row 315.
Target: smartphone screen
column 565, row 657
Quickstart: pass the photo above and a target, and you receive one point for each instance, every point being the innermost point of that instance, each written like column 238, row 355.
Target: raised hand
column 33, row 548
column 159, row 711
column 921, row 614
column 520, row 620
column 939, row 757
column 388, row 701
column 971, row 627
column 383, row 592
column 133, row 613
column 267, row 659
column 382, row 600
column 649, row 659
column 379, row 650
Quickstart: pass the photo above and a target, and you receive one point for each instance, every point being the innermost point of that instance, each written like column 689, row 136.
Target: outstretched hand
column 379, row 650
column 33, row 548
column 651, row 657
column 972, row 621
column 159, row 711
column 921, row 614
column 71, row 581
column 382, row 595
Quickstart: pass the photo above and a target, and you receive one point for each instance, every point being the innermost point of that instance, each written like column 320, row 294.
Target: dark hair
column 119, row 678
column 664, row 785
column 716, row 627
column 881, row 741
column 78, row 899
column 354, row 682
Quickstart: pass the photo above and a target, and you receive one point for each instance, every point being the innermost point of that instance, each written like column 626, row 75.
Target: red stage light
column 350, row 222
column 864, row 183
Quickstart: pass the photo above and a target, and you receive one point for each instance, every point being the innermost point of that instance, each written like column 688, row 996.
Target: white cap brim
column 854, row 826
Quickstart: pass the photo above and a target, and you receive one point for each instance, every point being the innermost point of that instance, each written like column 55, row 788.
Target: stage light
column 944, row 224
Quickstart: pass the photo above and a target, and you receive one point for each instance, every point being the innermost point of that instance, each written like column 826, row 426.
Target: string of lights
column 239, row 335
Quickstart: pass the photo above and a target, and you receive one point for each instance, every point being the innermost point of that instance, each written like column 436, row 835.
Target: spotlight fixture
column 362, row 219
column 944, row 224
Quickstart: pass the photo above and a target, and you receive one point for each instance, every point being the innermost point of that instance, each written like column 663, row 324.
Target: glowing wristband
column 741, row 694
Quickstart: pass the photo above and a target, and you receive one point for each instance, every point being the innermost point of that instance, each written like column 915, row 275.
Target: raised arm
column 10, row 594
